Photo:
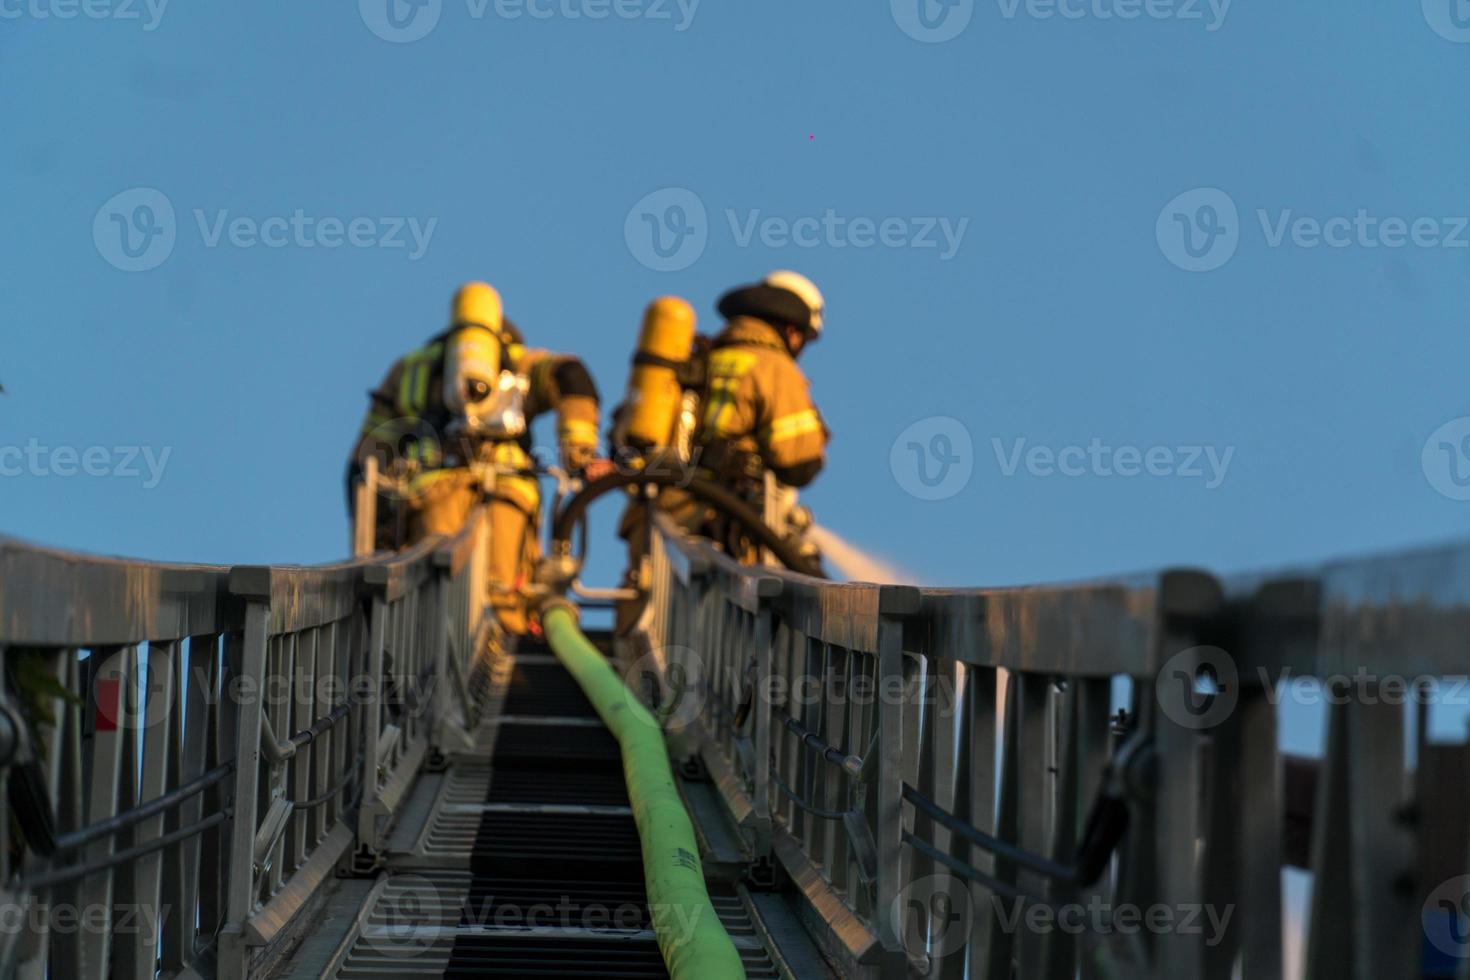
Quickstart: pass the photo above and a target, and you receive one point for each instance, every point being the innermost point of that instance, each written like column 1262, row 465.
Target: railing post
column 245, row 681
column 1277, row 624
column 449, row 678
column 372, row 726
column 478, row 586
column 894, row 604
column 764, row 636
column 687, row 741
column 365, row 510
column 443, row 678
column 1187, row 748
column 108, row 779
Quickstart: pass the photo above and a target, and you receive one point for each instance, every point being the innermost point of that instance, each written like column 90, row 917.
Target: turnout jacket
column 758, row 405
column 407, row 409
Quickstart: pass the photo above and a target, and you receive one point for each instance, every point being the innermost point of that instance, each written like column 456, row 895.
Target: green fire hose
column 694, row 943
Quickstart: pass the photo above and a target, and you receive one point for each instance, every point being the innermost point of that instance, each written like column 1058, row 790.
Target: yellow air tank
column 654, row 394
column 476, row 302
column 471, row 374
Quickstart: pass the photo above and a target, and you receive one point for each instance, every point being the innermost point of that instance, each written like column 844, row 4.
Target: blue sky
column 1057, row 314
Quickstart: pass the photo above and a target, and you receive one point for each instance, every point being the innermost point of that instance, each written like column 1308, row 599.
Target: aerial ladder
column 341, row 771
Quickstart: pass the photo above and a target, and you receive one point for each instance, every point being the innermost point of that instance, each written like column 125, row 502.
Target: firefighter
column 753, row 416
column 757, row 413
column 461, row 407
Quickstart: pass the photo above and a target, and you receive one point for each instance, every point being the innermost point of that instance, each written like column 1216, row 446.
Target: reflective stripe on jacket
column 758, row 401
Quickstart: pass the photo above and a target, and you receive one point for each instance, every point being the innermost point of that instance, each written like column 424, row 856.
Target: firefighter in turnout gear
column 746, row 418
column 450, row 426
column 758, row 413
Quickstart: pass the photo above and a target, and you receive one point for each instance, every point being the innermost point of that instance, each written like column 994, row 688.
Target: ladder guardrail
column 953, row 780
column 1380, row 817
column 191, row 751
column 958, row 780
column 82, row 637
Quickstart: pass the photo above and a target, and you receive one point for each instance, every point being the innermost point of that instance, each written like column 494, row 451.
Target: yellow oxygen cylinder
column 654, row 394
column 471, row 374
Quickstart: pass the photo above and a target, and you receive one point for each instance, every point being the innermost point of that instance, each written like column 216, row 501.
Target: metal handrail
column 190, row 772
column 806, row 807
column 60, row 876
column 1001, row 724
column 136, row 815
column 965, row 731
